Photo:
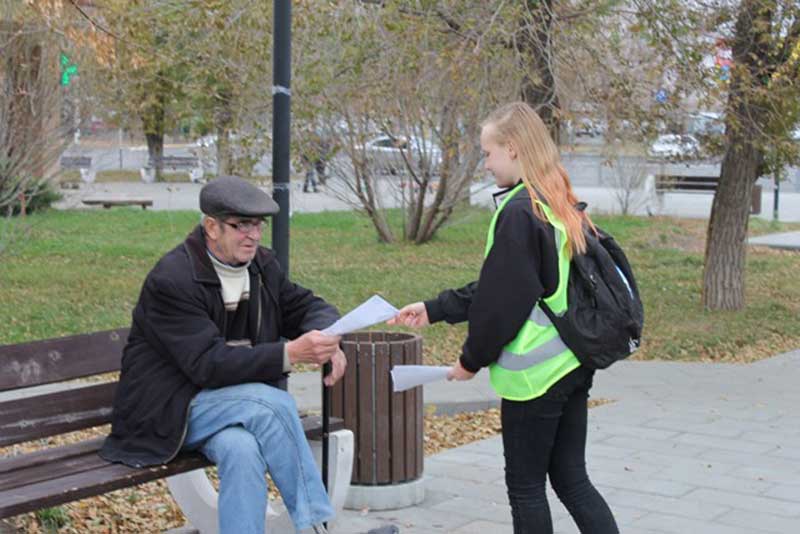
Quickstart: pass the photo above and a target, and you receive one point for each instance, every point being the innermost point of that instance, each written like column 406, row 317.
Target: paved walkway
column 685, row 448
column 786, row 240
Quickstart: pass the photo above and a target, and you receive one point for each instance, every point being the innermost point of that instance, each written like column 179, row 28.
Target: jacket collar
column 498, row 196
column 202, row 268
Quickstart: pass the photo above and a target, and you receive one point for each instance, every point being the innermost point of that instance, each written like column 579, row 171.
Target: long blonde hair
column 542, row 172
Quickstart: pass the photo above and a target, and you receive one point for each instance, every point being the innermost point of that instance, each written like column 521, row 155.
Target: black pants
column 547, row 436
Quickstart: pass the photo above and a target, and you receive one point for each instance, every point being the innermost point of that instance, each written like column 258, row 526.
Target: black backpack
column 604, row 317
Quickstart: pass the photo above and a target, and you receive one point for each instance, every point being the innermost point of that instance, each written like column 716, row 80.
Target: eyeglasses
column 245, row 227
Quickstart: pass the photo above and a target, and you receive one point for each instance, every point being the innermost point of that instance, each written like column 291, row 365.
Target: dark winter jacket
column 177, row 346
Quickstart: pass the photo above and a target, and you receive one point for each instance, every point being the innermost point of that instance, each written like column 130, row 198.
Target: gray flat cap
column 231, row 195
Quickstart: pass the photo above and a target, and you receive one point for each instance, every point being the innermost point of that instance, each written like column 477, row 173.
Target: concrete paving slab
column 716, row 458
column 680, row 525
column 785, row 240
column 759, row 522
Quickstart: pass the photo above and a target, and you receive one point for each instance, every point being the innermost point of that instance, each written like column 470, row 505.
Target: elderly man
column 206, row 363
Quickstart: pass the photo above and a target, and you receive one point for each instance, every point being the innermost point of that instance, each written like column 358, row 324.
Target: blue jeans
column 247, row 430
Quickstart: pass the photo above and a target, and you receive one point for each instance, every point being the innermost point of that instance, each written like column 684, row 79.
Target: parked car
column 252, row 150
column 675, row 146
column 587, row 127
column 706, row 123
column 385, row 153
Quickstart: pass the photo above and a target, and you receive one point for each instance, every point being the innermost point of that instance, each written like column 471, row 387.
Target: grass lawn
column 77, row 271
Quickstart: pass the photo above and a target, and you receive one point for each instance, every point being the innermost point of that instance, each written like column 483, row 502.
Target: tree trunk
column 536, row 46
column 223, row 152
column 724, row 272
column 223, row 118
column 155, row 151
column 724, row 266
column 30, row 137
column 153, row 122
column 385, row 234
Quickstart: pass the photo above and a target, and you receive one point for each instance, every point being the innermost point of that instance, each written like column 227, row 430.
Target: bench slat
column 63, row 474
column 690, row 183
column 76, row 486
column 179, row 161
column 44, row 456
column 56, row 360
column 76, row 162
column 69, row 465
column 312, row 425
column 111, row 202
column 56, row 413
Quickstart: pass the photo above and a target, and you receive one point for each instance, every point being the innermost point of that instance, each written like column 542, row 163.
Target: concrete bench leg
column 197, row 498
column 340, row 467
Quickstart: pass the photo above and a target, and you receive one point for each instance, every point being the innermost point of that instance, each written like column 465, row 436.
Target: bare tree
column 405, row 78
column 431, row 72
column 31, row 136
column 628, row 179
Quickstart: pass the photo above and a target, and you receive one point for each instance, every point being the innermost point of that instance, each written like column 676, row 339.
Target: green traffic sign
column 68, row 69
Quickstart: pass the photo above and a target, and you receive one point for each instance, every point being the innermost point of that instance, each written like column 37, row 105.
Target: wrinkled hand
column 312, row 347
column 414, row 315
column 457, row 372
column 338, row 367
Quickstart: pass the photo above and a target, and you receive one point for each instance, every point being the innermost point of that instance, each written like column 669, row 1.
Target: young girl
column 533, row 234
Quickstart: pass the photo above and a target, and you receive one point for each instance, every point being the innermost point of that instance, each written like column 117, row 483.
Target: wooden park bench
column 81, row 163
column 108, row 202
column 668, row 183
column 179, row 163
column 59, row 474
column 76, row 162
column 188, row 164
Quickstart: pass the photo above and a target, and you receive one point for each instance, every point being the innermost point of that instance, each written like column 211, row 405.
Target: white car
column 675, row 146
column 385, row 153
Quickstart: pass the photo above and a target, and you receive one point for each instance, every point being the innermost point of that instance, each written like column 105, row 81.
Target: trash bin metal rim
column 391, row 338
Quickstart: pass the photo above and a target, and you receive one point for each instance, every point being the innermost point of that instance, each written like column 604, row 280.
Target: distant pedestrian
column 310, row 181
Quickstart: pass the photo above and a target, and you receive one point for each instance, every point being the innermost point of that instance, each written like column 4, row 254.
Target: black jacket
column 521, row 268
column 177, row 346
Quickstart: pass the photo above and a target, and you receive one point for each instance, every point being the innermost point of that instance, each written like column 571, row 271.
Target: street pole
column 281, row 135
column 776, row 194
column 119, row 146
column 281, row 131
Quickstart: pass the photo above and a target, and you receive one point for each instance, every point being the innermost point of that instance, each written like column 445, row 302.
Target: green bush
column 39, row 201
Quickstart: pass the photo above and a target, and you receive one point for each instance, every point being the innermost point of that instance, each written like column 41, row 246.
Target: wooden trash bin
column 388, row 427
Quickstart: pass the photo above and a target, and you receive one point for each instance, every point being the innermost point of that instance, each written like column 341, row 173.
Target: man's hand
column 338, row 367
column 414, row 315
column 457, row 372
column 312, row 347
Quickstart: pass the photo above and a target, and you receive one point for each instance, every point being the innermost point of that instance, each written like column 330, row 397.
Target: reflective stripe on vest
column 537, row 356
column 517, row 362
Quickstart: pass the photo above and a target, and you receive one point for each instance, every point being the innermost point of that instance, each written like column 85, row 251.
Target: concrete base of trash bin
column 389, row 497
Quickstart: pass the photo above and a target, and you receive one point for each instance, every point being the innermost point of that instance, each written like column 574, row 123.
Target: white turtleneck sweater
column 235, row 282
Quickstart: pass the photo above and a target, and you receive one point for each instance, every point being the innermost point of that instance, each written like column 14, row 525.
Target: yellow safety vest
column 537, row 357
